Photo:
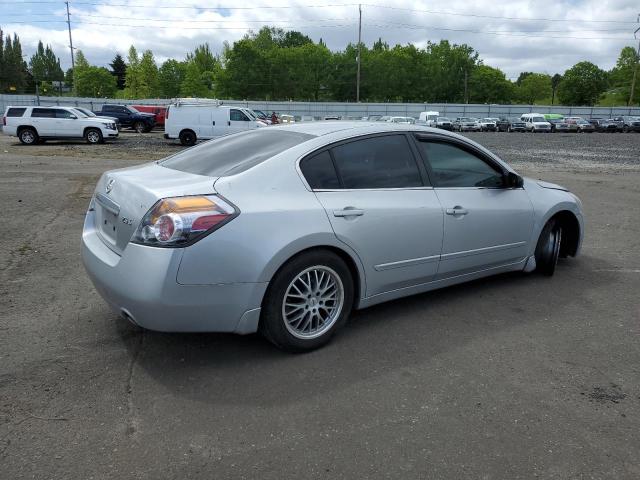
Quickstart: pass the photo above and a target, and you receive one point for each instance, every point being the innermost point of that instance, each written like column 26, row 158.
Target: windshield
column 79, row 113
column 132, row 110
column 234, row 153
column 538, row 119
column 465, row 119
column 443, row 119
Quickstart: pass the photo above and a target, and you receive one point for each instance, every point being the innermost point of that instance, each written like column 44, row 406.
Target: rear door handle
column 348, row 212
column 456, row 211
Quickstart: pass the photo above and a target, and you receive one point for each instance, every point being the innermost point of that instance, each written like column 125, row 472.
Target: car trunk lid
column 123, row 197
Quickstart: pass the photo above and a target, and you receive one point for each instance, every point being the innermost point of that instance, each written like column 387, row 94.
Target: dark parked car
column 158, row 110
column 558, row 125
column 514, row 124
column 129, row 117
column 604, row 125
column 629, row 124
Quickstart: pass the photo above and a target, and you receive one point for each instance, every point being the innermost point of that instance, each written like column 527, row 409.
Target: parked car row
column 190, row 120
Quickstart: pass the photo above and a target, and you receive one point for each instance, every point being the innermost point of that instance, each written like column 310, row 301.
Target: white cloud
column 102, row 30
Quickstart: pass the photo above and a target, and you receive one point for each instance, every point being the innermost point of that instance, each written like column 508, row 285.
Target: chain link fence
column 320, row 110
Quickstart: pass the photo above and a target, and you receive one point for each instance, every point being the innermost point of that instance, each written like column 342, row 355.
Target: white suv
column 34, row 124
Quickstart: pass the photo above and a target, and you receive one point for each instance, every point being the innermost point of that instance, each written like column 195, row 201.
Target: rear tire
column 93, row 136
column 188, row 138
column 548, row 248
column 28, row 136
column 307, row 301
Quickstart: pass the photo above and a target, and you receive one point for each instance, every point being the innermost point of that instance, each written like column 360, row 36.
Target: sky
column 541, row 36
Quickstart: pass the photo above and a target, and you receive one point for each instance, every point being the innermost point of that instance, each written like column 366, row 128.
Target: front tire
column 28, row 136
column 188, row 138
column 140, row 127
column 307, row 301
column 93, row 136
column 548, row 248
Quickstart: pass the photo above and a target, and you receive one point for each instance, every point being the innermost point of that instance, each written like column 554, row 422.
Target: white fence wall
column 321, row 109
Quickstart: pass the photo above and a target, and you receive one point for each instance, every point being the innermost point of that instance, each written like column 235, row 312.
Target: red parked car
column 160, row 112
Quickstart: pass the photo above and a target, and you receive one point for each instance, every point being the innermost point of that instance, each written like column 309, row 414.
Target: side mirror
column 73, row 117
column 513, row 180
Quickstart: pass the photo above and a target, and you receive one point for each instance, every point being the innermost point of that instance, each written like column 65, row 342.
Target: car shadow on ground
column 397, row 335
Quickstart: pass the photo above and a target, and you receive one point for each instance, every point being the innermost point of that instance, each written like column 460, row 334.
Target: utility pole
column 466, row 96
column 635, row 68
column 359, row 41
column 73, row 62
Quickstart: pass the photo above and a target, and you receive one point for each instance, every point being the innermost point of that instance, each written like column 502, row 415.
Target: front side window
column 43, row 113
column 237, row 116
column 454, row 167
column 63, row 113
column 377, row 162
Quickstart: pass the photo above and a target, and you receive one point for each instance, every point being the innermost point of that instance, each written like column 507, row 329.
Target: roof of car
column 362, row 127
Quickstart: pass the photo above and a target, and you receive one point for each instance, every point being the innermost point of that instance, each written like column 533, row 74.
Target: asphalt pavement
column 512, row 377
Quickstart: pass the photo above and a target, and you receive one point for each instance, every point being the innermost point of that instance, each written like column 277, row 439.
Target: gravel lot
column 510, row 377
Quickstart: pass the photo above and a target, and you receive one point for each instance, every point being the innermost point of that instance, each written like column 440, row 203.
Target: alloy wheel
column 313, row 302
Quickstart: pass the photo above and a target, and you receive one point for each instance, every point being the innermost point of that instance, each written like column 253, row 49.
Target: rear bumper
column 141, row 285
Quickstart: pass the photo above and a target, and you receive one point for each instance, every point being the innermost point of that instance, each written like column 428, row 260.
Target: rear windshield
column 235, row 153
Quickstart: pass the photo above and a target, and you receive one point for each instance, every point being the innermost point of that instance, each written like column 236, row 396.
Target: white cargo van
column 429, row 119
column 191, row 122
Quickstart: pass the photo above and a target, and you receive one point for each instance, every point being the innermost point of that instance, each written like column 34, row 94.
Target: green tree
column 94, row 82
column 193, row 85
column 119, row 70
column 170, row 77
column 14, row 73
column 44, row 65
column 533, row 87
column 134, row 82
column 150, row 87
column 622, row 73
column 489, row 85
column 582, row 84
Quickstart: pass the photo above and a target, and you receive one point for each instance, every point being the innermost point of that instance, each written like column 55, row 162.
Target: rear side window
column 43, row 113
column 377, row 162
column 235, row 153
column 16, row 112
column 454, row 167
column 320, row 172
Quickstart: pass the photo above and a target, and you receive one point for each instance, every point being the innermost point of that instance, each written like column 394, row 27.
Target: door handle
column 348, row 212
column 456, row 211
column 229, row 123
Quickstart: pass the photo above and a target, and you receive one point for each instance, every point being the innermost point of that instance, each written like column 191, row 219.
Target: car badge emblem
column 110, row 183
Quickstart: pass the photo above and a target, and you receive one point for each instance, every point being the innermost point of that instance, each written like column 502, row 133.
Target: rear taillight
column 166, row 114
column 181, row 221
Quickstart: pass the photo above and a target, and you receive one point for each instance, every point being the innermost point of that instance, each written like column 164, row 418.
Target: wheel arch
column 350, row 258
column 571, row 232
column 22, row 127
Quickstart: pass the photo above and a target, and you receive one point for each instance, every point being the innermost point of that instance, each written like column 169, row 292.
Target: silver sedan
column 286, row 229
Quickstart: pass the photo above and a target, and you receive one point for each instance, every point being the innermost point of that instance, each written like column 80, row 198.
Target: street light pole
column 635, row 67
column 359, row 41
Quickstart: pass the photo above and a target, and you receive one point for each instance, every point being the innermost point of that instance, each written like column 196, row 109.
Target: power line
column 370, row 5
column 497, row 17
column 392, row 26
